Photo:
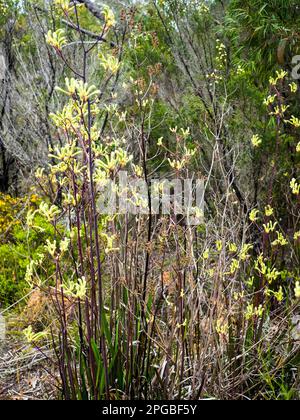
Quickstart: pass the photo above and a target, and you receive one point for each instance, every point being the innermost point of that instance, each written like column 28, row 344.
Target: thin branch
column 88, row 33
column 93, row 8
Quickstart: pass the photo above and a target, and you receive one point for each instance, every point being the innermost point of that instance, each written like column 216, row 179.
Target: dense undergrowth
column 150, row 306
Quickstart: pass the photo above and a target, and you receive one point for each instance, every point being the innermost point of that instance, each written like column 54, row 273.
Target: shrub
column 18, row 247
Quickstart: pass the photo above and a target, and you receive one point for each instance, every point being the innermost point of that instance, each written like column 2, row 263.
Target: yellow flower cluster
column 119, row 158
column 253, row 215
column 295, row 187
column 109, row 17
column 297, row 290
column 65, row 6
column 203, row 9
column 221, row 55
column 235, row 265
column 269, row 227
column 270, row 100
column 206, row 254
column 280, row 241
column 214, row 77
column 293, row 87
column 244, row 254
column 177, row 164
column 56, row 39
column 256, row 141
column 233, row 248
column 269, row 211
column 68, row 118
column 32, row 337
column 219, row 245
column 3, row 9
column 77, row 89
column 279, row 296
column 51, row 247
column 49, row 212
column 76, row 289
column 252, row 312
column 9, row 208
column 294, row 122
column 110, row 63
column 271, row 274
column 280, row 110
column 222, row 327
column 280, row 75
column 65, row 154
column 109, row 243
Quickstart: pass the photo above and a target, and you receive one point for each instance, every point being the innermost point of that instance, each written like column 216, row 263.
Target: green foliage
column 8, row 8
column 18, row 249
column 260, row 30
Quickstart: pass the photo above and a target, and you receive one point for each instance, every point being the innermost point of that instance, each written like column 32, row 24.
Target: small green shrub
column 18, row 247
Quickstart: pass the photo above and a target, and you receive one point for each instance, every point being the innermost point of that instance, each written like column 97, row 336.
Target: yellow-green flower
column 235, row 265
column 138, row 170
column 269, row 211
column 30, row 217
column 29, row 272
column 253, row 215
column 271, row 274
column 256, row 141
column 32, row 337
column 206, row 254
column 293, row 87
column 297, row 290
column 77, row 289
column 254, row 312
column 67, row 118
column 51, row 247
column 280, row 110
column 110, row 63
column 270, row 100
column 295, row 187
column 244, row 254
column 233, row 248
column 79, row 89
column 160, row 142
column 185, row 133
column 64, row 245
column 269, row 227
column 49, row 212
column 109, row 17
column 110, row 243
column 219, row 245
column 177, row 164
column 280, row 240
column 295, row 122
column 250, row 282
column 297, row 236
column 56, row 39
column 197, row 213
column 280, row 76
column 222, row 327
column 203, row 9
column 279, row 295
column 64, row 5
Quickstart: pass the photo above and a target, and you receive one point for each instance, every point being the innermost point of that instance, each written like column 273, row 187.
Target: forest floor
column 25, row 372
